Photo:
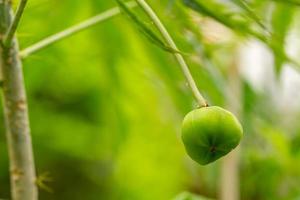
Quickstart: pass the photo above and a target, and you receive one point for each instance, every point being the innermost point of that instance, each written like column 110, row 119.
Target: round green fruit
column 209, row 133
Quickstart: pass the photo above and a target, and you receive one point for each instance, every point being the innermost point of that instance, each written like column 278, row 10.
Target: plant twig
column 72, row 30
column 14, row 25
column 22, row 169
column 185, row 69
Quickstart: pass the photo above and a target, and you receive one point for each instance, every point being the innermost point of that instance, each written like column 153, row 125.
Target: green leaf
column 290, row 2
column 189, row 196
column 214, row 11
column 281, row 20
column 224, row 18
column 145, row 30
column 246, row 7
column 199, row 7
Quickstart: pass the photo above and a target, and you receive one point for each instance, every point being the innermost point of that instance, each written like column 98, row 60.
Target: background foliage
column 106, row 105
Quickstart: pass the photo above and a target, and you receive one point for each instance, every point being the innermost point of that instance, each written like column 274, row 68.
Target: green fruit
column 209, row 133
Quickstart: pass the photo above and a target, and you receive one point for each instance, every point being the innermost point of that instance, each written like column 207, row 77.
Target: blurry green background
column 106, row 105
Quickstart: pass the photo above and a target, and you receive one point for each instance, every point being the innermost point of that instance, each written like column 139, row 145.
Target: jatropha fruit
column 209, row 133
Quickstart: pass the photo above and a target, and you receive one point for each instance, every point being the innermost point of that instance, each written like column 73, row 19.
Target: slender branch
column 185, row 69
column 14, row 25
column 72, row 30
column 22, row 169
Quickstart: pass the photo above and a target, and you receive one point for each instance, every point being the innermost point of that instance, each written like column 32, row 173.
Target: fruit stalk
column 184, row 67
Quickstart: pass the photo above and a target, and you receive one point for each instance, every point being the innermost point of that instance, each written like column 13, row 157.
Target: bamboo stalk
column 22, row 170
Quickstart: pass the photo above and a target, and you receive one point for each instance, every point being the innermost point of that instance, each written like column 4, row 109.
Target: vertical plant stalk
column 230, row 181
column 184, row 67
column 22, row 170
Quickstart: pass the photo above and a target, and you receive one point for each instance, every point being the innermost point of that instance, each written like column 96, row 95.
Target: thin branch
column 72, row 30
column 185, row 69
column 14, row 25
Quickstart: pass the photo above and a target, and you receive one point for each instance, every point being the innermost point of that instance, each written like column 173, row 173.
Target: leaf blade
column 145, row 30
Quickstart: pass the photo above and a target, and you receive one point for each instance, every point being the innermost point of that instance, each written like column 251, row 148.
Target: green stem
column 72, row 30
column 22, row 169
column 14, row 25
column 185, row 69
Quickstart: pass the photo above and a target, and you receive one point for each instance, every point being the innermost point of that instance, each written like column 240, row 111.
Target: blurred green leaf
column 273, row 41
column 281, row 21
column 290, row 2
column 216, row 12
column 145, row 30
column 189, row 196
column 251, row 13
